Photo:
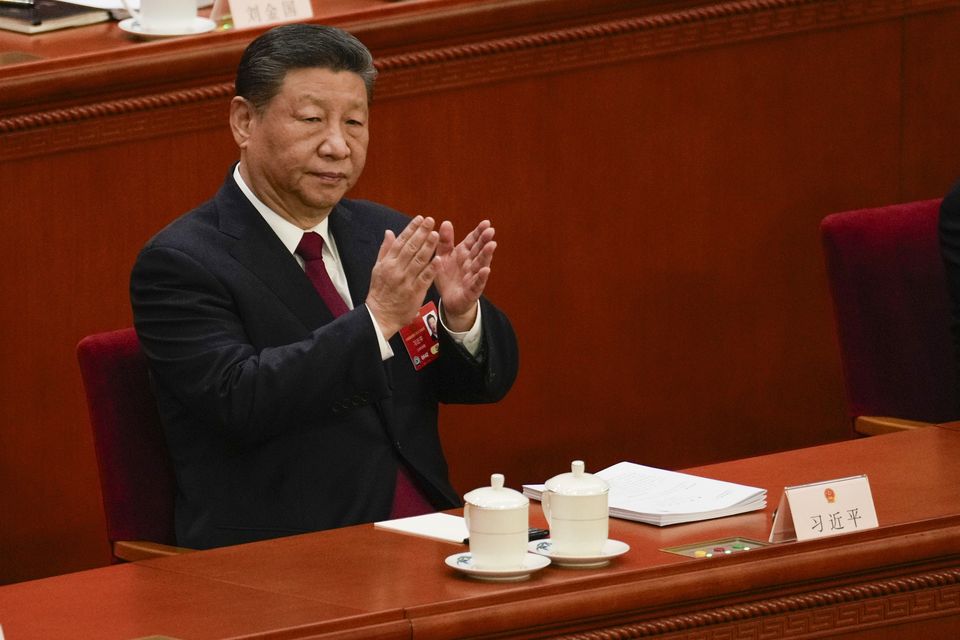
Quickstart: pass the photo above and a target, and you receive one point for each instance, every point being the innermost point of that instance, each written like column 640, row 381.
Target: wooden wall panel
column 656, row 181
column 931, row 113
column 659, row 251
column 73, row 225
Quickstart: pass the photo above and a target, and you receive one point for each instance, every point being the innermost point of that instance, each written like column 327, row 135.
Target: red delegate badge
column 421, row 337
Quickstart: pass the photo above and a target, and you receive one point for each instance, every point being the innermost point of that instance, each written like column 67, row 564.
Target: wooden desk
column 363, row 582
column 128, row 601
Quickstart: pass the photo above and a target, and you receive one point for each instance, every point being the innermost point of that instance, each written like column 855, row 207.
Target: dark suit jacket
column 949, row 227
column 281, row 419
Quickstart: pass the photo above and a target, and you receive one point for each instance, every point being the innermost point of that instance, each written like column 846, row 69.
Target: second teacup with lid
column 497, row 519
column 576, row 507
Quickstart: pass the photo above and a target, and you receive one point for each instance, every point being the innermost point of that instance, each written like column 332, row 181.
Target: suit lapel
column 260, row 251
column 358, row 245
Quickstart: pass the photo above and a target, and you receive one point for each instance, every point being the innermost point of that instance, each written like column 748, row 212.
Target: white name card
column 822, row 509
column 259, row 13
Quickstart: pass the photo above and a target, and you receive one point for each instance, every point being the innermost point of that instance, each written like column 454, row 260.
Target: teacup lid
column 577, row 482
column 496, row 496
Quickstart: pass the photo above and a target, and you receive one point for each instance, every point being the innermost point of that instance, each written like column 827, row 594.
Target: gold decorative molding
column 114, row 121
column 838, row 610
column 626, row 39
column 115, row 107
column 461, row 65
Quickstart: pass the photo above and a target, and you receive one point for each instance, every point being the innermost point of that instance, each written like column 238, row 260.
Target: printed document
column 661, row 497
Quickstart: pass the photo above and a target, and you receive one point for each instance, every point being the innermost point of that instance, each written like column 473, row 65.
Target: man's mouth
column 329, row 176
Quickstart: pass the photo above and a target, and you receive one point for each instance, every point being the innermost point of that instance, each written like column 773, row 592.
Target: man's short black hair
column 270, row 56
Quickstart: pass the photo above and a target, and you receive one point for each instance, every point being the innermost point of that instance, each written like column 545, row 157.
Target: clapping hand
column 405, row 269
column 462, row 271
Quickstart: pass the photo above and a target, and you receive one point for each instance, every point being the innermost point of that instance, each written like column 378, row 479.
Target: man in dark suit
column 288, row 408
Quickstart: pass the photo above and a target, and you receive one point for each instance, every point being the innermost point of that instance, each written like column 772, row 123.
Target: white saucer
column 200, row 25
column 611, row 549
column 464, row 562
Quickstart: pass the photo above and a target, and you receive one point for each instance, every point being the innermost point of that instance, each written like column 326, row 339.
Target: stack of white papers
column 660, row 497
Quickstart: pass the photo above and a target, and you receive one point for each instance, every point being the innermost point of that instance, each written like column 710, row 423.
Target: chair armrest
column 133, row 550
column 879, row 425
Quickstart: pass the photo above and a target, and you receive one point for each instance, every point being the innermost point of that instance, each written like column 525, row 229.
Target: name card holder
column 244, row 14
column 823, row 509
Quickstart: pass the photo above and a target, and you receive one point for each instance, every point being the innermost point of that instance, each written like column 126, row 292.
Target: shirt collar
column 289, row 233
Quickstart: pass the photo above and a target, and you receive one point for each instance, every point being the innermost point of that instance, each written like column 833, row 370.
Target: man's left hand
column 462, row 273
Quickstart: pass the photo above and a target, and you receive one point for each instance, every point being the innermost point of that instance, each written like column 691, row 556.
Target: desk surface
column 365, row 581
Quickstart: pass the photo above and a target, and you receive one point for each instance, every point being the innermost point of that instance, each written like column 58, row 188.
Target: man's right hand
column 404, row 271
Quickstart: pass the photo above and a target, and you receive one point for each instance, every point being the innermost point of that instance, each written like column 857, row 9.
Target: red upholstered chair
column 136, row 477
column 893, row 316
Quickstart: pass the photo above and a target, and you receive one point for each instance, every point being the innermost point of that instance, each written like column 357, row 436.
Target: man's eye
column 313, row 119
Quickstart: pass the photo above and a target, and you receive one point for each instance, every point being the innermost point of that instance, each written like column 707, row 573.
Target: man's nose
column 334, row 143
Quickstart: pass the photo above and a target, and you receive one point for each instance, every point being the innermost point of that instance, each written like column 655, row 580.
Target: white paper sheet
column 115, row 5
column 436, row 526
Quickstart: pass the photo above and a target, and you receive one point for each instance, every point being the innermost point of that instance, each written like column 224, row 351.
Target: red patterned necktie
column 408, row 500
column 311, row 250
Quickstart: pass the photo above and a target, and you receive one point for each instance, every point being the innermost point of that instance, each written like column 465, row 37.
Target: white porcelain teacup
column 166, row 16
column 497, row 520
column 576, row 507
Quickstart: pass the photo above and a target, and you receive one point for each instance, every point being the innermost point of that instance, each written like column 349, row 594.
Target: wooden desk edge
column 928, row 550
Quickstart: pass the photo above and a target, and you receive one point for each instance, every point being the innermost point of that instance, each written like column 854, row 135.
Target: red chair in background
column 136, row 477
column 892, row 312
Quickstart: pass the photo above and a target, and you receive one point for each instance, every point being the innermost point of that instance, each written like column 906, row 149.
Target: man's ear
column 242, row 117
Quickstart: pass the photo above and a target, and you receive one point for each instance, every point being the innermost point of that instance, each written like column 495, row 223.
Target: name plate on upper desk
column 259, row 13
column 823, row 509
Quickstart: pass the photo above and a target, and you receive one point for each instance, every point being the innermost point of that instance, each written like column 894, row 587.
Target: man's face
column 432, row 321
column 307, row 148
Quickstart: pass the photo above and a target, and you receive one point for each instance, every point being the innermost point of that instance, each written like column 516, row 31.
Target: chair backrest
column 136, row 475
column 892, row 311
